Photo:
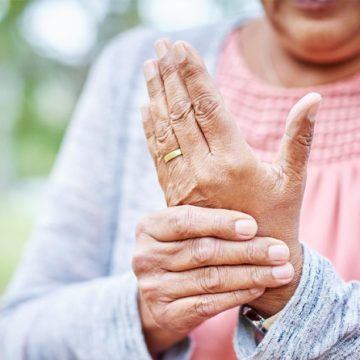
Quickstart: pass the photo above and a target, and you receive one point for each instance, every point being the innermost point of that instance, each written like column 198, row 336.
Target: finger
column 165, row 138
column 214, row 120
column 296, row 143
column 149, row 132
column 219, row 279
column 187, row 222
column 196, row 253
column 148, row 126
column 196, row 309
column 188, row 133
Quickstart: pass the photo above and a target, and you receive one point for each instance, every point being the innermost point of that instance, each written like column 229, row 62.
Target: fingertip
column 284, row 273
column 162, row 47
column 150, row 69
column 184, row 43
column 180, row 51
column 279, row 252
column 257, row 291
column 309, row 103
column 183, row 49
column 314, row 99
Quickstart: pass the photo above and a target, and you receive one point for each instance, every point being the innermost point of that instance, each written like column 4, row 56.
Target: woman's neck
column 266, row 58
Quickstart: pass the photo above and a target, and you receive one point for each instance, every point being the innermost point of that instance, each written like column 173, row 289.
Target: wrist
column 274, row 300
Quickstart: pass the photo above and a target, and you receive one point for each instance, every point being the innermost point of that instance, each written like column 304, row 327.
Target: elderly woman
column 233, row 174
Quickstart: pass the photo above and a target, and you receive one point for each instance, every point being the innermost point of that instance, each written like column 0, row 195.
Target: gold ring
column 172, row 155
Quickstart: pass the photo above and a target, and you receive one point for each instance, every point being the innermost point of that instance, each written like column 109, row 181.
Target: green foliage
column 41, row 116
column 34, row 137
column 15, row 227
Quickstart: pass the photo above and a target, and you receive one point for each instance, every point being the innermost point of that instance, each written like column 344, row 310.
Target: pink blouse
column 330, row 218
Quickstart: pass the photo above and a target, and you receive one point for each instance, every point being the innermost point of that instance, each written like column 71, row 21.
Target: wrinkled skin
column 193, row 263
column 218, row 169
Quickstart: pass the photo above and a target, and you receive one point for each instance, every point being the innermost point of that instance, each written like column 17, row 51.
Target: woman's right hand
column 193, row 263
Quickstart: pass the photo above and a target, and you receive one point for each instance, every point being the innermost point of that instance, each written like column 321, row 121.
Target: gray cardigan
column 74, row 295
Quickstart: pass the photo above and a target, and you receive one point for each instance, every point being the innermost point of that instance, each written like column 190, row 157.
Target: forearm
column 321, row 320
column 91, row 320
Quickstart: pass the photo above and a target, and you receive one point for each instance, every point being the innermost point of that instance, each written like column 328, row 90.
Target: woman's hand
column 217, row 167
column 193, row 263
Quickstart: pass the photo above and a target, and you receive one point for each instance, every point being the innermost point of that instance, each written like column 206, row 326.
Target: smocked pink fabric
column 330, row 219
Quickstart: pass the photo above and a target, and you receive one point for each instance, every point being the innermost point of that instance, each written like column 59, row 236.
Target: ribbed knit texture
column 261, row 109
column 74, row 295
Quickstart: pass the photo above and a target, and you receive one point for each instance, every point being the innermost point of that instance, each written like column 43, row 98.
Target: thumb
column 296, row 142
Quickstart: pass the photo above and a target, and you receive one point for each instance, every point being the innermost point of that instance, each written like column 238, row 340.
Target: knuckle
column 191, row 71
column 251, row 251
column 237, row 297
column 167, row 68
column 218, row 222
column 141, row 227
column 171, row 249
column 205, row 177
column 180, row 109
column 163, row 131
column 205, row 306
column 257, row 276
column 142, row 262
column 210, row 280
column 149, row 289
column 233, row 167
column 207, row 107
column 304, row 139
column 181, row 220
column 203, row 251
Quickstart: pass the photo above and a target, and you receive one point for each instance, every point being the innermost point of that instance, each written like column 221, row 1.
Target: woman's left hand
column 217, row 167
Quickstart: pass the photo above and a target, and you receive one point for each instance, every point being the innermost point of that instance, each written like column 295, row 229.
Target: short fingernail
column 149, row 70
column 279, row 252
column 314, row 109
column 256, row 291
column 245, row 227
column 179, row 52
column 283, row 272
column 161, row 48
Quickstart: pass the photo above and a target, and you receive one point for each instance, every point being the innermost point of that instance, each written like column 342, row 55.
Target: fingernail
column 307, row 106
column 180, row 52
column 283, row 272
column 161, row 48
column 279, row 252
column 256, row 291
column 149, row 70
column 245, row 227
column 314, row 109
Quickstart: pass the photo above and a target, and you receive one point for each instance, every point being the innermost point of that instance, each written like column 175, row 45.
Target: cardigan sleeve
column 321, row 321
column 62, row 303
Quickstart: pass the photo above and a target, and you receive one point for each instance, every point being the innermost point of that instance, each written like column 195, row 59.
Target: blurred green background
column 46, row 48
